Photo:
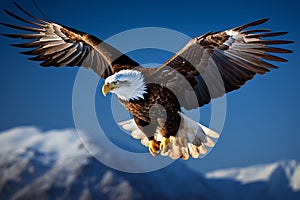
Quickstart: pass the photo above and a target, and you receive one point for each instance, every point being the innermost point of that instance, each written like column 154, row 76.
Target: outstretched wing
column 216, row 63
column 57, row 45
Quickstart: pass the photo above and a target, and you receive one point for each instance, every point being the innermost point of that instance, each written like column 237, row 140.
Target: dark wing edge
column 217, row 63
column 56, row 45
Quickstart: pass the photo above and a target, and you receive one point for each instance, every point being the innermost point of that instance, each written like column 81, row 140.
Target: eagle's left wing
column 57, row 45
column 216, row 63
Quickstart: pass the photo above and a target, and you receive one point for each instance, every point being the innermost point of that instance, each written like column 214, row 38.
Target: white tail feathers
column 192, row 138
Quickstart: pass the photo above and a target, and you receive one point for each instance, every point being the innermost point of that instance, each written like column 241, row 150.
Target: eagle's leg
column 153, row 147
column 148, row 129
column 164, row 144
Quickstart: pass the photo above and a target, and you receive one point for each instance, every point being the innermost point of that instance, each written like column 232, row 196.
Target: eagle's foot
column 164, row 144
column 153, row 147
column 185, row 156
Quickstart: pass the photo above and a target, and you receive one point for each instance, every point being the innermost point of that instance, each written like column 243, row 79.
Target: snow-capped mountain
column 279, row 180
column 55, row 165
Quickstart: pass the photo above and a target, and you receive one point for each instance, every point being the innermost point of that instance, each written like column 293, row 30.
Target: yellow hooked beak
column 106, row 88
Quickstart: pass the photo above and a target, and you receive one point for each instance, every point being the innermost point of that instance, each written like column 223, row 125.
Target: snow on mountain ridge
column 260, row 172
column 245, row 175
column 57, row 144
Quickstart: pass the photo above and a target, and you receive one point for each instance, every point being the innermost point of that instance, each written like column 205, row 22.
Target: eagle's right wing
column 220, row 62
column 58, row 45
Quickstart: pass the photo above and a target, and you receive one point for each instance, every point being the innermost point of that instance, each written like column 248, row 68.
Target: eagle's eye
column 115, row 83
column 118, row 82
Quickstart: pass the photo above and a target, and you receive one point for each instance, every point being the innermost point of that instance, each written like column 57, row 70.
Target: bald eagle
column 207, row 67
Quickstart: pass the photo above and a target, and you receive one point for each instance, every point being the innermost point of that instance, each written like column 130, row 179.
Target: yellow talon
column 153, row 147
column 164, row 144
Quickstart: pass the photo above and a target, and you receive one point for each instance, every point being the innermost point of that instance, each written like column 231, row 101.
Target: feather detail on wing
column 216, row 63
column 58, row 45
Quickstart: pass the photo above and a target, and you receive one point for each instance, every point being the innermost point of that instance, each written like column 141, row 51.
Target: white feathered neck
column 130, row 84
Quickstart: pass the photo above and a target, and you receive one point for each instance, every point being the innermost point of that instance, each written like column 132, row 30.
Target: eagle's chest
column 158, row 102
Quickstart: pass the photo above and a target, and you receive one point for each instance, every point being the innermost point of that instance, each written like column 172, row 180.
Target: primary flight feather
column 207, row 67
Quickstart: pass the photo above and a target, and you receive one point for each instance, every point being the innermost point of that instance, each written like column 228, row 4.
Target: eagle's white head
column 126, row 84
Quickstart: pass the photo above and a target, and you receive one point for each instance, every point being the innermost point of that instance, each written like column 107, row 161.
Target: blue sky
column 262, row 118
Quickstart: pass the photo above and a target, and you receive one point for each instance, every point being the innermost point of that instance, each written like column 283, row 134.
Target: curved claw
column 153, row 147
column 164, row 144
